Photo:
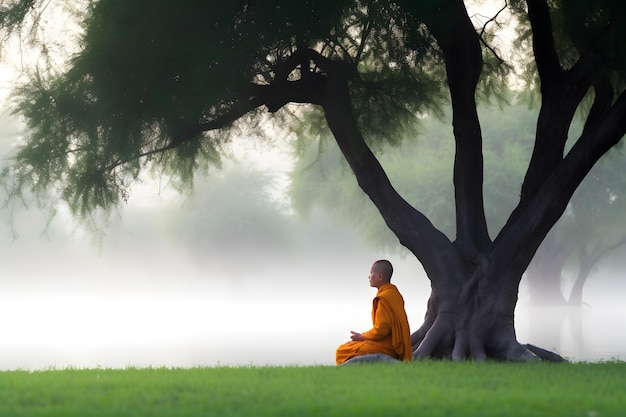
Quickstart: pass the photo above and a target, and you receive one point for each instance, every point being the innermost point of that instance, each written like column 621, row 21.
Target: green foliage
column 580, row 27
column 429, row 388
column 161, row 86
column 135, row 73
column 400, row 74
column 421, row 170
column 13, row 15
column 599, row 26
column 148, row 75
column 37, row 31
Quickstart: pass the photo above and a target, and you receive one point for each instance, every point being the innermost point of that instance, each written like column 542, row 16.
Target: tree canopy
column 133, row 93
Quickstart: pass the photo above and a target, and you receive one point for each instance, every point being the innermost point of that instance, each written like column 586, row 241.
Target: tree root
column 544, row 355
column 520, row 353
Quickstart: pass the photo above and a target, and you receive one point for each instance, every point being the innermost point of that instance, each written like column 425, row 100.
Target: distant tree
column 156, row 85
column 232, row 224
column 591, row 228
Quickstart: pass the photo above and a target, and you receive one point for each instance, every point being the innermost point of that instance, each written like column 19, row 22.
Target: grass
column 429, row 388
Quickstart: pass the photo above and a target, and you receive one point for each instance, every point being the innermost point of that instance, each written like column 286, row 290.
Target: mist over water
column 592, row 332
column 107, row 312
column 294, row 316
column 144, row 297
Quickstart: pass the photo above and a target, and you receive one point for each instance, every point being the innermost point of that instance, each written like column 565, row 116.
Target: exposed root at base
column 545, row 355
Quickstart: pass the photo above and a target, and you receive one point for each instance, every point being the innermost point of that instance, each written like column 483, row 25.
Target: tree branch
column 411, row 227
column 530, row 222
column 484, row 28
column 273, row 96
column 562, row 92
column 451, row 26
column 364, row 35
column 546, row 58
column 606, row 133
column 601, row 102
column 461, row 47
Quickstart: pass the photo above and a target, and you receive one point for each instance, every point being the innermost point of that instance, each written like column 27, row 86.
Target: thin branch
column 190, row 134
column 484, row 28
column 494, row 18
column 38, row 17
column 366, row 31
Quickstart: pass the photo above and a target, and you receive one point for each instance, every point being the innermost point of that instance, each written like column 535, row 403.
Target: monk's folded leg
column 351, row 349
column 346, row 351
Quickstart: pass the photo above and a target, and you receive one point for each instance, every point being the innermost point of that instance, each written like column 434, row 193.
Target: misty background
column 226, row 276
column 266, row 262
column 229, row 275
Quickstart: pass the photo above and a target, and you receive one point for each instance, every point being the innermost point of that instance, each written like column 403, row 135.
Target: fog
column 155, row 290
column 169, row 282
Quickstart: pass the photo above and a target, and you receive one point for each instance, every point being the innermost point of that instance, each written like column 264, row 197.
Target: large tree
column 160, row 85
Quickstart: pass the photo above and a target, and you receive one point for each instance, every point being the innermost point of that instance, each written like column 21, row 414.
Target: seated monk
column 390, row 334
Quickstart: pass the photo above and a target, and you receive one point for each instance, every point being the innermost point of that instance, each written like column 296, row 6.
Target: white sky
column 66, row 301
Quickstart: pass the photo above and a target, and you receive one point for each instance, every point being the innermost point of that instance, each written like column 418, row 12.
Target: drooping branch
column 273, row 96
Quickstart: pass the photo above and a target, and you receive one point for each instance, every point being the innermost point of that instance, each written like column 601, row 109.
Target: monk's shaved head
column 383, row 267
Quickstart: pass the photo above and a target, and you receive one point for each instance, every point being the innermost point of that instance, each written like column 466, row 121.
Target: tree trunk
column 474, row 320
column 473, row 325
column 472, row 304
column 474, row 280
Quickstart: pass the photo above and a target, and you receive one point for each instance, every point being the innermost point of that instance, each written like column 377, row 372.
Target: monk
column 390, row 334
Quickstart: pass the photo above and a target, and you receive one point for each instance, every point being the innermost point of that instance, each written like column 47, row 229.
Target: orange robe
column 390, row 334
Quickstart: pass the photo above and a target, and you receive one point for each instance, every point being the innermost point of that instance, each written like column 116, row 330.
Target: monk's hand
column 356, row 336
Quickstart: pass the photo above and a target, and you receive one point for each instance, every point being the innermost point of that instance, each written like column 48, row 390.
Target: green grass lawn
column 428, row 388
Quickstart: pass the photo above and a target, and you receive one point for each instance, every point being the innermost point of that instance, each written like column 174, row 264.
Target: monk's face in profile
column 376, row 278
